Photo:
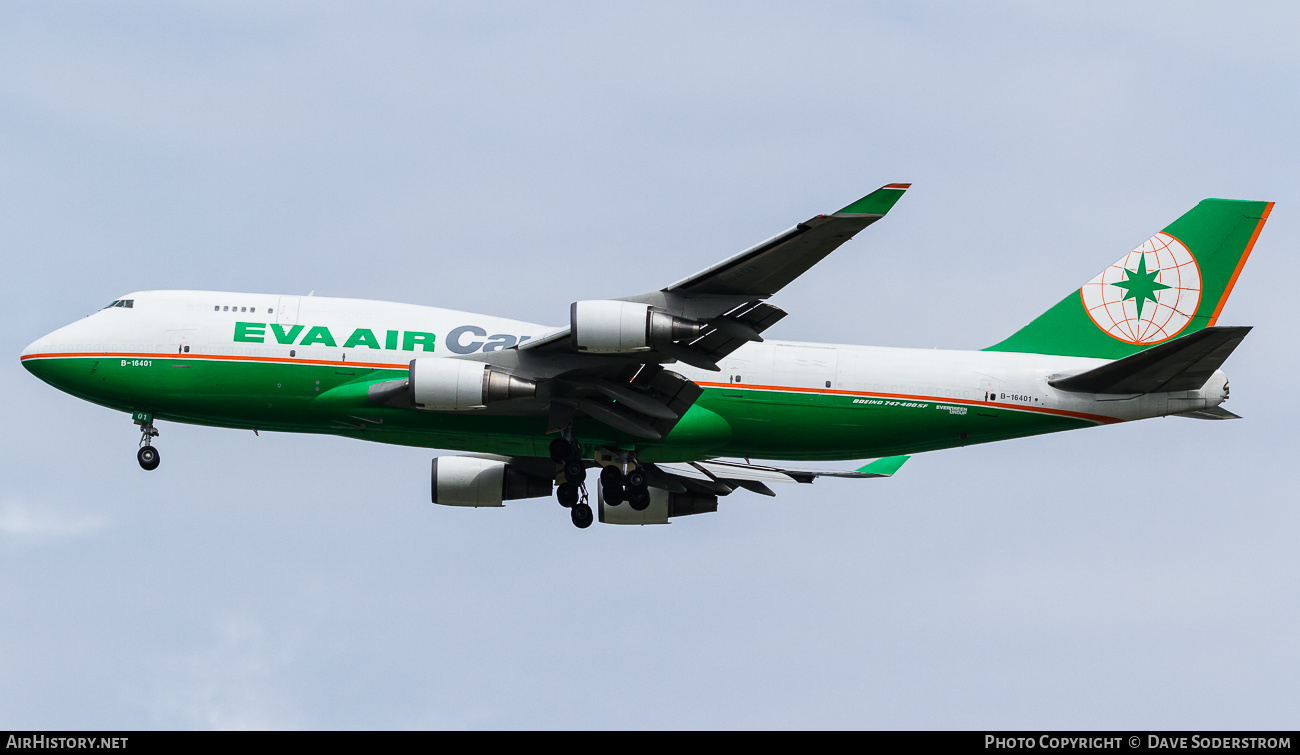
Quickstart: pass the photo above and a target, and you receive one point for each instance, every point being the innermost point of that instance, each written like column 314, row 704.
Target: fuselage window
column 216, row 308
column 187, row 349
column 243, row 309
column 225, row 309
column 269, row 310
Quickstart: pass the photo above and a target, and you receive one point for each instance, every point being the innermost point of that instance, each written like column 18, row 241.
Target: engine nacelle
column 622, row 327
column 663, row 505
column 455, row 385
column 471, row 481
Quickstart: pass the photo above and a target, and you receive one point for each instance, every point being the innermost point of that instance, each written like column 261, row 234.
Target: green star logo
column 1140, row 285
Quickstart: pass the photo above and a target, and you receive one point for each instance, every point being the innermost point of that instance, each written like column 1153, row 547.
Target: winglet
column 877, row 202
column 885, row 467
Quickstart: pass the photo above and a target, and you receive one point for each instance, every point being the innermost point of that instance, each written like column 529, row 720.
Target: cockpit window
column 128, row 303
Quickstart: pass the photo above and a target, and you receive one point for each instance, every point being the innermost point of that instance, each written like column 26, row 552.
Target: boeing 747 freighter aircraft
column 656, row 392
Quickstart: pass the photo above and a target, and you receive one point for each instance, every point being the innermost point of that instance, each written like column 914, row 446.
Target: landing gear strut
column 147, row 455
column 572, row 493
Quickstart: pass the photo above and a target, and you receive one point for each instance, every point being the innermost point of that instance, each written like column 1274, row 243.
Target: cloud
column 231, row 682
column 25, row 523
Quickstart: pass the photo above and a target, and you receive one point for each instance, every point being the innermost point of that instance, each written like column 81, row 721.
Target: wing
column 608, row 363
column 727, row 297
column 718, row 309
column 721, row 477
column 675, row 490
column 764, row 269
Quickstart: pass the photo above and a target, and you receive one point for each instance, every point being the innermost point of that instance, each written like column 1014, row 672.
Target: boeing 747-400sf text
column 657, row 392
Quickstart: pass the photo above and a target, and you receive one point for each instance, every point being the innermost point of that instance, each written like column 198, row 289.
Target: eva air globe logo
column 1149, row 295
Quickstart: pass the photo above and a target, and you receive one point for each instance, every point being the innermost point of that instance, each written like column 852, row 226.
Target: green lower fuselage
column 726, row 421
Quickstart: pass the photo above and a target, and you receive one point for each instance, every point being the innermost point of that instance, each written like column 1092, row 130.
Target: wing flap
column 736, row 328
column 645, row 401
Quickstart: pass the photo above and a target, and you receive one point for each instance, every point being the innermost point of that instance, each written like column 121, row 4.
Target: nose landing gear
column 147, row 455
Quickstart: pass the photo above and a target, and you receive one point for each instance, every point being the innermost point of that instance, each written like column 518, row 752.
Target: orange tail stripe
column 1240, row 264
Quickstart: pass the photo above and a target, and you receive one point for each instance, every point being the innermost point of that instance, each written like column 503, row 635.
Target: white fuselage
column 388, row 335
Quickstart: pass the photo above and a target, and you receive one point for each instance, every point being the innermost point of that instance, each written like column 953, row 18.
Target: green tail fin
column 1175, row 283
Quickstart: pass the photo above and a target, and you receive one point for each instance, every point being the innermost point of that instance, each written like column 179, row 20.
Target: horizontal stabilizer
column 1183, row 364
column 1214, row 412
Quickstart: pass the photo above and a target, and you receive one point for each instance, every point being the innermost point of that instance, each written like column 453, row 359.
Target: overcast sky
column 510, row 159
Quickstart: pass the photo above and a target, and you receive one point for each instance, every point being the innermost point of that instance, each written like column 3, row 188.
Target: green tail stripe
column 877, row 202
column 1218, row 232
column 886, row 466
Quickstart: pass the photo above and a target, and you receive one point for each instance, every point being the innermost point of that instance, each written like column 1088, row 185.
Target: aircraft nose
column 31, row 354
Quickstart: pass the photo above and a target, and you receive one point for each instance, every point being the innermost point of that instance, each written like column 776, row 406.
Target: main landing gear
column 572, row 493
column 147, row 455
column 623, row 480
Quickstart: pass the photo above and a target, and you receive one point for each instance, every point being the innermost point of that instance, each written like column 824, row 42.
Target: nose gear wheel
column 148, row 455
column 148, row 458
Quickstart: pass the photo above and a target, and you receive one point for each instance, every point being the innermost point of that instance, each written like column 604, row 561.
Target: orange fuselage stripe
column 215, row 357
column 735, row 386
column 907, row 397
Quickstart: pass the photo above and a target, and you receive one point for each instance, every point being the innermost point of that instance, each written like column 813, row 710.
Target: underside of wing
column 644, row 401
column 721, row 477
column 639, row 495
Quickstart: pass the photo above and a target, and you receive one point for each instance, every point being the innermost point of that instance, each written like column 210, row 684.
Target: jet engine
column 475, row 481
column 663, row 505
column 622, row 327
column 453, row 385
